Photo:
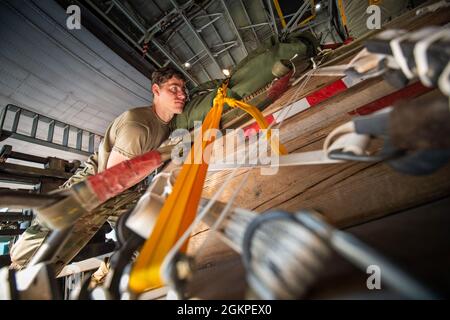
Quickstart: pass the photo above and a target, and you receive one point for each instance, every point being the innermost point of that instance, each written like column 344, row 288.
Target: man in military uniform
column 133, row 133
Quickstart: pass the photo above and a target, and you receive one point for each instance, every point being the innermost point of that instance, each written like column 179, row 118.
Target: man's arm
column 131, row 141
column 115, row 158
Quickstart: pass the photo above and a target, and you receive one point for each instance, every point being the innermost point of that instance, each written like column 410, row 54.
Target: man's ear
column 155, row 89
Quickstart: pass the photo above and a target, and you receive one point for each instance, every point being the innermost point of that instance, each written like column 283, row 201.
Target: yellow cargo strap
column 181, row 206
column 256, row 114
column 280, row 13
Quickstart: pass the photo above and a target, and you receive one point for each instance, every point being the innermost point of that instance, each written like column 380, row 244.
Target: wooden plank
column 353, row 196
column 326, row 187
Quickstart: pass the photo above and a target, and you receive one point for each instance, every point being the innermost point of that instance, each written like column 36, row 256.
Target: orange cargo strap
column 180, row 208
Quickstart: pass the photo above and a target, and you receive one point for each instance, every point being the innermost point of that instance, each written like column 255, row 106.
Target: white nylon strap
column 399, row 56
column 420, row 54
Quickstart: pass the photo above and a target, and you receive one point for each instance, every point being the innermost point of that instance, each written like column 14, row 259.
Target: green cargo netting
column 251, row 74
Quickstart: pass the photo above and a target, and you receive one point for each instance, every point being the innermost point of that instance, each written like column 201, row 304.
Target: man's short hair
column 164, row 74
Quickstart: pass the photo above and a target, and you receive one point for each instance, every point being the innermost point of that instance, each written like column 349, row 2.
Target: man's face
column 171, row 94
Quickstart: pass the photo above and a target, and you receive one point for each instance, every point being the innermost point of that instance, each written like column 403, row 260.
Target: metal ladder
column 64, row 141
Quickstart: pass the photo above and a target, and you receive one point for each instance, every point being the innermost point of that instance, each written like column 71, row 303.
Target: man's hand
column 115, row 158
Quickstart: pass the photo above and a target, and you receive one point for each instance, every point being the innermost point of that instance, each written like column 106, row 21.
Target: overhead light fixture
column 318, row 6
column 226, row 72
column 187, row 65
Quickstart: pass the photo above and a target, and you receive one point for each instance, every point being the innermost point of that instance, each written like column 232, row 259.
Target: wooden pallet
column 346, row 194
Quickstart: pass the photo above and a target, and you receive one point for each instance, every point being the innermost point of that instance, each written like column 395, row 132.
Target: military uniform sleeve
column 131, row 139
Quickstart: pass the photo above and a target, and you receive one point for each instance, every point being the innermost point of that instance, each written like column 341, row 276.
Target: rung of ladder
column 15, row 122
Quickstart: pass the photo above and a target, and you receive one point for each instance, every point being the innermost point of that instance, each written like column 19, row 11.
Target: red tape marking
column 254, row 127
column 411, row 91
column 326, row 92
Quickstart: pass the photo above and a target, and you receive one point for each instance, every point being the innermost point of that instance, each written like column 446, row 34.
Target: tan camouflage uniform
column 133, row 133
